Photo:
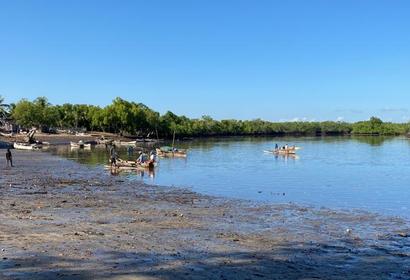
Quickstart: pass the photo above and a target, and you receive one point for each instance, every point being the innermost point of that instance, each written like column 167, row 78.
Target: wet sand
column 63, row 220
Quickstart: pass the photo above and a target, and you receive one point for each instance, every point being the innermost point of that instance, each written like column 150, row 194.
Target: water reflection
column 372, row 140
column 286, row 157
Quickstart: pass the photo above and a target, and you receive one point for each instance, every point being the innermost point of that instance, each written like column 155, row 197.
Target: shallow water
column 370, row 173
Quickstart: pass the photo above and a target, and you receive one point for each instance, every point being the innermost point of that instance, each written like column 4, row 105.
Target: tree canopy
column 4, row 109
column 132, row 118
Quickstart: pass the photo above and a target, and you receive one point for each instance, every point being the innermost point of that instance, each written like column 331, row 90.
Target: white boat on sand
column 26, row 146
column 80, row 145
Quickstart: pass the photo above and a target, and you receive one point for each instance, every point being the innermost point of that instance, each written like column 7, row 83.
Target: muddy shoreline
column 62, row 138
column 63, row 220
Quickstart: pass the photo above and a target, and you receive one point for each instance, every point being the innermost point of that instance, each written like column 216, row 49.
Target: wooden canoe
column 290, row 151
column 177, row 153
column 132, row 165
column 125, row 143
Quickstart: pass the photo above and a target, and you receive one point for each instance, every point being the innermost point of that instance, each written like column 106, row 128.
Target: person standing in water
column 113, row 156
column 130, row 151
column 9, row 158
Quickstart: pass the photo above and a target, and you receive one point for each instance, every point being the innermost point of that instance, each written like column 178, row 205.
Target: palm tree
column 4, row 109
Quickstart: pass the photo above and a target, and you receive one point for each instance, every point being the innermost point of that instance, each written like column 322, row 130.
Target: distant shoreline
column 64, row 139
column 123, row 117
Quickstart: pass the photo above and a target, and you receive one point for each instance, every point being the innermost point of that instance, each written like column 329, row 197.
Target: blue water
column 370, row 173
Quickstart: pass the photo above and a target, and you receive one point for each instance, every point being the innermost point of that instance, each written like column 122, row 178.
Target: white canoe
column 124, row 143
column 76, row 145
column 24, row 146
column 80, row 145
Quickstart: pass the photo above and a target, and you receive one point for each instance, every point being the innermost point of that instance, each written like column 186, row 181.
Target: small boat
column 288, row 151
column 74, row 145
column 103, row 141
column 80, row 145
column 171, row 152
column 147, row 140
column 125, row 143
column 167, row 151
column 132, row 165
column 151, row 140
column 26, row 146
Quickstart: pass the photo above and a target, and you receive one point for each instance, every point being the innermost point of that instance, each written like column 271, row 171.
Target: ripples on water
column 371, row 173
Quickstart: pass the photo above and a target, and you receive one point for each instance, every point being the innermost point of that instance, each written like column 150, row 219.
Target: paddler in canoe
column 284, row 149
column 113, row 156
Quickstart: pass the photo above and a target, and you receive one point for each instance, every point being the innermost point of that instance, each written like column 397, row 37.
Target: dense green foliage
column 376, row 126
column 137, row 119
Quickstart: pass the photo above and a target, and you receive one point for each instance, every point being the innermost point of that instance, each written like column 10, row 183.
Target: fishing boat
column 167, row 151
column 171, row 152
column 26, row 146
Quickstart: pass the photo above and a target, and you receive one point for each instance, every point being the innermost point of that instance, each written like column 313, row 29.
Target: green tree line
column 130, row 118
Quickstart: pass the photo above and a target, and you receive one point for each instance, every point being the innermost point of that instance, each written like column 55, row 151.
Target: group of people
column 285, row 148
column 142, row 157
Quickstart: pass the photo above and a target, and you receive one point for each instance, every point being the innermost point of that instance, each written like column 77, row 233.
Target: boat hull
column 122, row 143
column 75, row 145
column 132, row 165
column 282, row 152
column 28, row 147
column 180, row 154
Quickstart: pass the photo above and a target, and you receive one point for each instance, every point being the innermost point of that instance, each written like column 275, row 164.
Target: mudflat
column 63, row 220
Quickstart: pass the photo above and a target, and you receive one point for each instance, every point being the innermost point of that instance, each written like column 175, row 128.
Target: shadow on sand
column 295, row 261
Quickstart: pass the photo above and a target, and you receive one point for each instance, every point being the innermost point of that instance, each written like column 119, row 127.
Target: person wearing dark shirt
column 113, row 156
column 9, row 158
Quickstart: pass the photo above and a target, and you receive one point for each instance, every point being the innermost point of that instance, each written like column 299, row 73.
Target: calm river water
column 370, row 173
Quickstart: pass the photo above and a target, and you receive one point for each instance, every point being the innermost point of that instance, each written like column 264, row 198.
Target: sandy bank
column 62, row 220
column 61, row 138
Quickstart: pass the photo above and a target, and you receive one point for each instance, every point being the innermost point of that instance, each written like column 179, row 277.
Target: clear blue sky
column 277, row 60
